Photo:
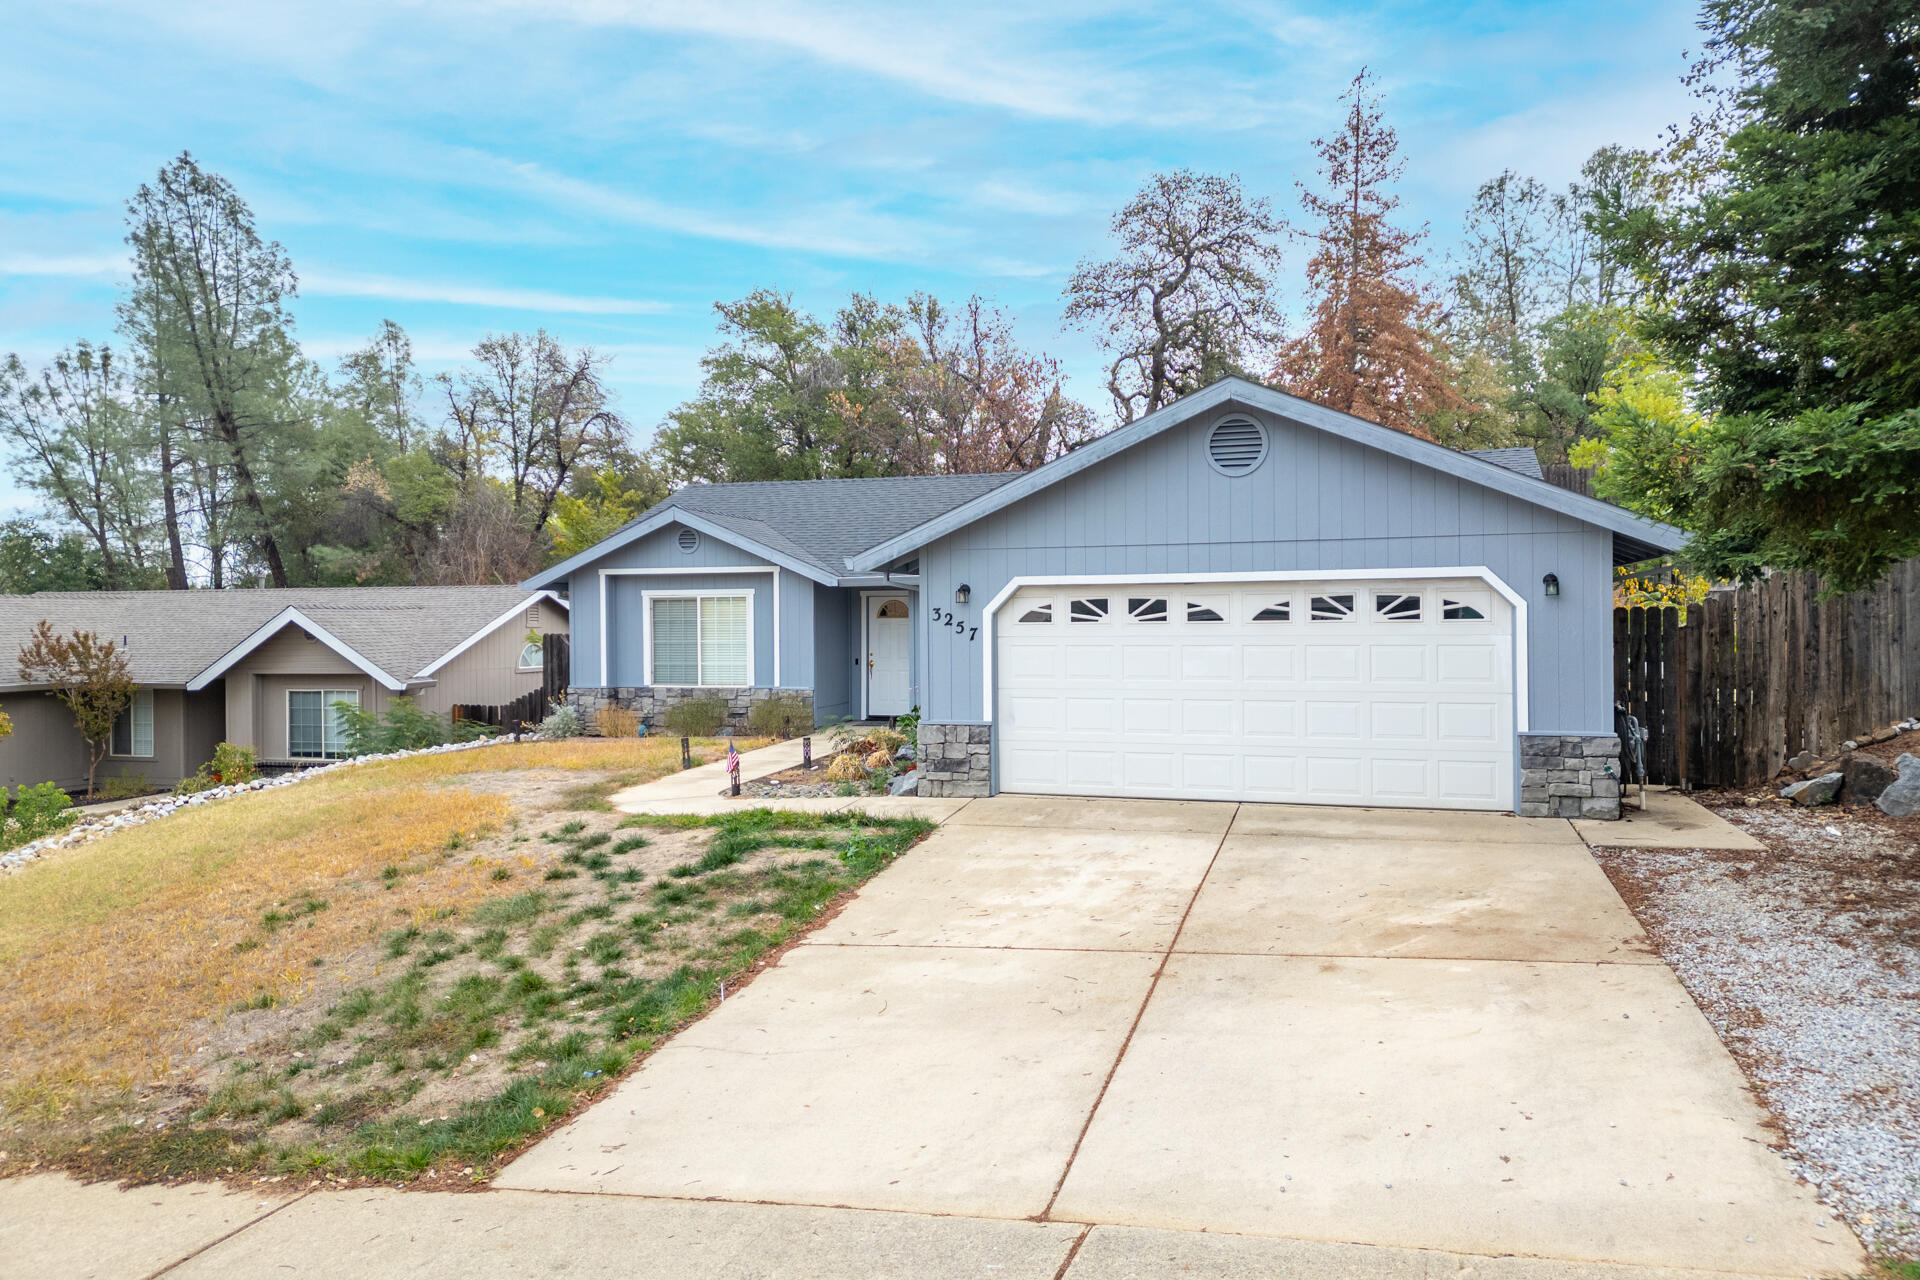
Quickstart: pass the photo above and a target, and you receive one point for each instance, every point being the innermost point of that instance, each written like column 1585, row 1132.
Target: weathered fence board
column 532, row 707
column 1757, row 674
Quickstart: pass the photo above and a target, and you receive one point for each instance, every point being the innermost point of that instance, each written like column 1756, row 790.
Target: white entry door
column 1388, row 692
column 889, row 641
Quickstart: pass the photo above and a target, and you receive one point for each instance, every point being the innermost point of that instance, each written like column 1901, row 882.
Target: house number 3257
column 959, row 626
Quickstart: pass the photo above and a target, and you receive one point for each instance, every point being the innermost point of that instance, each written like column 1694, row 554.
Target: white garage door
column 1392, row 692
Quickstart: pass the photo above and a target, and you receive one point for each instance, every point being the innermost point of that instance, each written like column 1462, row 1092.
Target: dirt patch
column 1805, row 957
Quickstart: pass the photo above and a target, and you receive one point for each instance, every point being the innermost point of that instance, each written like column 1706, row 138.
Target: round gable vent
column 1236, row 447
column 689, row 539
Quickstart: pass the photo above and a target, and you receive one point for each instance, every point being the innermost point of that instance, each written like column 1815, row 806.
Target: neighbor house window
column 133, row 731
column 702, row 640
column 316, row 730
column 531, row 654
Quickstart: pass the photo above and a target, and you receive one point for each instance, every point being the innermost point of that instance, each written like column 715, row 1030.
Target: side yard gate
column 1761, row 673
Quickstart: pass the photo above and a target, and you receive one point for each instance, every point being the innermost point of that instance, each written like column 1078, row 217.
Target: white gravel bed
column 1815, row 991
column 95, row 826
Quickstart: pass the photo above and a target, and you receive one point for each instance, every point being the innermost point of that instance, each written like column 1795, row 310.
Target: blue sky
column 610, row 168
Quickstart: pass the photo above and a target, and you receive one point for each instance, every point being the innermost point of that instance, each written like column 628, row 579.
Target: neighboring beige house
column 264, row 668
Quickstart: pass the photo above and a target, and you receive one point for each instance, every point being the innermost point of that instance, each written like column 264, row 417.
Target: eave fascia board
column 489, row 629
column 675, row 515
column 279, row 622
column 1251, row 396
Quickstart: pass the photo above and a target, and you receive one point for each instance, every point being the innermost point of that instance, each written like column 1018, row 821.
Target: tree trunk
column 250, row 494
column 176, row 554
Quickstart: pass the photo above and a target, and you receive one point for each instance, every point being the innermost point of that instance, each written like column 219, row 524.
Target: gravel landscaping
column 1804, row 960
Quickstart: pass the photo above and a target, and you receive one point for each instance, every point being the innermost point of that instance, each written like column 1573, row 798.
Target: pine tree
column 1369, row 350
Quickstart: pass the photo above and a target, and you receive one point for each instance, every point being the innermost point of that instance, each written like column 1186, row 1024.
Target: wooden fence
column 1567, row 476
column 1758, row 674
column 529, row 708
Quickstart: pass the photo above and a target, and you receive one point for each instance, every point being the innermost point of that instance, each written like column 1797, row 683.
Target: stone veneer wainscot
column 1569, row 776
column 955, row 759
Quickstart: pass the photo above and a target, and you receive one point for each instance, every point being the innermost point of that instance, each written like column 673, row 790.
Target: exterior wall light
column 1552, row 583
column 962, row 593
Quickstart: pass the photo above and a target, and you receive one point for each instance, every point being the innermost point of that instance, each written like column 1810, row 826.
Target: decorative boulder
column 1902, row 799
column 905, row 785
column 1802, row 762
column 1867, row 777
column 1813, row 791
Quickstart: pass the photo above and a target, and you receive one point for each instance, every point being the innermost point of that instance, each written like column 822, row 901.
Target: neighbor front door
column 889, row 686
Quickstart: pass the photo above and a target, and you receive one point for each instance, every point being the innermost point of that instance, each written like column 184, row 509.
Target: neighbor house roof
column 1635, row 538
column 178, row 637
column 1522, row 461
column 810, row 526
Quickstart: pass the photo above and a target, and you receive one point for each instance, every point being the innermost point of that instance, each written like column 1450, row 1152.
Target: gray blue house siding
column 1317, row 502
column 834, row 620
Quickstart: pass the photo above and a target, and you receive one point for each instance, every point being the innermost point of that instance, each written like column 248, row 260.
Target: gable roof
column 812, row 527
column 1634, row 537
column 1520, row 461
column 174, row 638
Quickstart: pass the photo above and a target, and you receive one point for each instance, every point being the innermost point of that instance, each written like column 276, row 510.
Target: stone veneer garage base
column 1569, row 776
column 955, row 759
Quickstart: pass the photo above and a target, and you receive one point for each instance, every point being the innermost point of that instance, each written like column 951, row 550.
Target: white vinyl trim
column 1481, row 572
column 489, row 629
column 646, row 629
column 274, row 625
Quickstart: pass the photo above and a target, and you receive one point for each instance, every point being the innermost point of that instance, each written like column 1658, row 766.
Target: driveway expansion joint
column 255, row 1221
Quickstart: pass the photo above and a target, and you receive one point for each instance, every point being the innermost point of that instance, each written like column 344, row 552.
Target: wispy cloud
column 334, row 285
column 57, row 264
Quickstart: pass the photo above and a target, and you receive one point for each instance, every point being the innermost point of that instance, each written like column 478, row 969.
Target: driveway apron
column 1422, row 1030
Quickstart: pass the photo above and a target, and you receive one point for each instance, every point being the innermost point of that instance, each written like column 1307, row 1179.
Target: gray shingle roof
column 172, row 636
column 1522, row 461
column 825, row 521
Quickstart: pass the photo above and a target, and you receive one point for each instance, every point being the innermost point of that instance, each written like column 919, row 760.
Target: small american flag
column 733, row 760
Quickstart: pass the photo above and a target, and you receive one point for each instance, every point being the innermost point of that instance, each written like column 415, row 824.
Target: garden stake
column 806, row 753
column 686, row 753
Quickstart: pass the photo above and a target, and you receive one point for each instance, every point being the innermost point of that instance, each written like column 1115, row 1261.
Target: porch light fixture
column 1552, row 583
column 962, row 593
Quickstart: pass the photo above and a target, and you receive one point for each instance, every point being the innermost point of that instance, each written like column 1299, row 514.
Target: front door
column 889, row 686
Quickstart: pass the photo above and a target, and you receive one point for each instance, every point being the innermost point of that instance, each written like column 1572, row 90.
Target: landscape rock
column 1802, row 762
column 904, row 785
column 1902, row 799
column 1867, row 776
column 1884, row 735
column 1813, row 791
column 1850, row 745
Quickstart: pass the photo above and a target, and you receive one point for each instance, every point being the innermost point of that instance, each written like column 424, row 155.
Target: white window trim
column 1404, row 574
column 521, row 663
column 325, row 702
column 646, row 629
column 151, row 731
column 606, row 662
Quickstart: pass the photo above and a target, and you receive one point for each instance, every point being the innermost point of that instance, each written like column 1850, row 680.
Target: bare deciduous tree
column 1189, row 297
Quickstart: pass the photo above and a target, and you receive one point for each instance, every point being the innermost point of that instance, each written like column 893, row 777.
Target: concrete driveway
column 1425, row 1030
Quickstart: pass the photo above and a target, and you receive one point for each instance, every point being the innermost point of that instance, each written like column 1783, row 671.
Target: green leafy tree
column 34, row 558
column 90, row 678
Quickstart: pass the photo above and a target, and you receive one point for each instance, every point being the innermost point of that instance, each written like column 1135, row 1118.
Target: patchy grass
column 323, row 980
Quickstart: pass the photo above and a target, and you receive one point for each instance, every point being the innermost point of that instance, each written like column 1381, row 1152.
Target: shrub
column 34, row 812
column 846, row 767
column 562, row 722
column 885, row 740
column 781, row 715
column 909, row 726
column 616, row 722
column 403, row 726
column 882, row 759
column 232, row 765
column 119, row 786
column 696, row 717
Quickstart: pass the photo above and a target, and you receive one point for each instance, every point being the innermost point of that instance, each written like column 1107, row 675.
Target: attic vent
column 689, row 539
column 1236, row 447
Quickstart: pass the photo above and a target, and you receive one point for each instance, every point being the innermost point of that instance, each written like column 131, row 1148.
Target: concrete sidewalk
column 52, row 1228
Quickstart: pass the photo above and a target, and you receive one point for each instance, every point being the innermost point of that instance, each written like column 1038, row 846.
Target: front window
column 531, row 654
column 702, row 640
column 133, row 731
column 316, row 728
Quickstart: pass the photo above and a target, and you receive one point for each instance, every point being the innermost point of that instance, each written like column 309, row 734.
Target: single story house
column 263, row 668
column 1242, row 596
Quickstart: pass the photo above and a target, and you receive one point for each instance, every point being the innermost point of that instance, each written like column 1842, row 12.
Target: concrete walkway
column 1112, row 1040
